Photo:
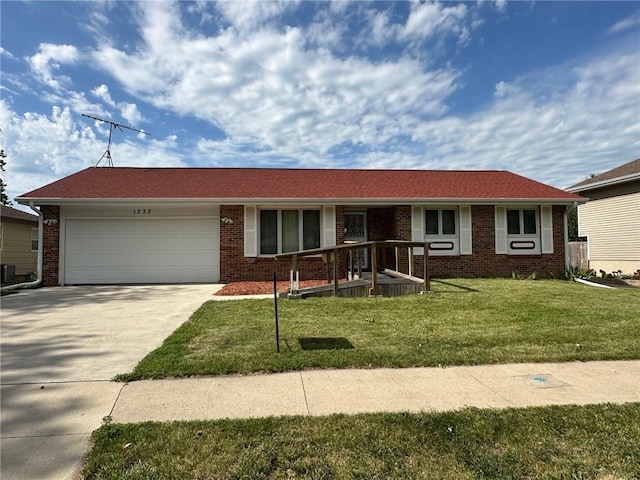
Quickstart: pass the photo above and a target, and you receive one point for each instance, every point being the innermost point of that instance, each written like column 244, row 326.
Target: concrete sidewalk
column 323, row 392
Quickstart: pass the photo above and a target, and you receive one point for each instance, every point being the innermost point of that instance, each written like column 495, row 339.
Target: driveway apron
column 59, row 349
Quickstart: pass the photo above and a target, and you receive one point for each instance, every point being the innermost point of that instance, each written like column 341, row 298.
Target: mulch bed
column 261, row 288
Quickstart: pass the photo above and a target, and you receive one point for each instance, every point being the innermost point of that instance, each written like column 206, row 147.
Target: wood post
column 374, row 270
column 335, row 272
column 426, row 285
column 294, row 276
column 397, row 259
column 411, row 261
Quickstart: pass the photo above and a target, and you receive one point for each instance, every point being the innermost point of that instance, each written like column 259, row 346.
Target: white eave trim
column 604, row 183
column 302, row 201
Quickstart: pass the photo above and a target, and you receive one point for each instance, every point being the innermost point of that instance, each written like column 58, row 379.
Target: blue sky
column 549, row 90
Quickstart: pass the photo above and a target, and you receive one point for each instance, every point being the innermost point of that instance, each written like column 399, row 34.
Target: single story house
column 18, row 243
column 166, row 225
column 611, row 218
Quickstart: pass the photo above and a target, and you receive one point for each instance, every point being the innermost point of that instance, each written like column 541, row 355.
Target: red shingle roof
column 249, row 183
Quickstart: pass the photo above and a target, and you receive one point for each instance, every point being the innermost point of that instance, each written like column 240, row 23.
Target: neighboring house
column 166, row 225
column 611, row 218
column 18, row 240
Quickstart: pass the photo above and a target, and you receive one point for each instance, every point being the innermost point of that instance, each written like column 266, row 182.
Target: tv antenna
column 112, row 127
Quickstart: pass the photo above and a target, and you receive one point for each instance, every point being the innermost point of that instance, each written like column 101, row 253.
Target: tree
column 572, row 223
column 3, row 195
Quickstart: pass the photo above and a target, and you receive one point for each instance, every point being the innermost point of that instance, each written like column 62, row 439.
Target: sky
column 548, row 90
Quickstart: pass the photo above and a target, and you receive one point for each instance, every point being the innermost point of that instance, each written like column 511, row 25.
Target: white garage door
column 141, row 251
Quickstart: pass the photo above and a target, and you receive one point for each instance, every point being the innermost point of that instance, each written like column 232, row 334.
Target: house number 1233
column 142, row 211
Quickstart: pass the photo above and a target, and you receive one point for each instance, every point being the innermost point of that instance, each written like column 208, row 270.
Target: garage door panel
column 141, row 251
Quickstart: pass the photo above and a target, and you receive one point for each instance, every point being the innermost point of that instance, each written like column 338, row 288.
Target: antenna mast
column 112, row 127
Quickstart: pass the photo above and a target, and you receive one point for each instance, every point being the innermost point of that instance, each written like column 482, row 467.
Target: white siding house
column 611, row 218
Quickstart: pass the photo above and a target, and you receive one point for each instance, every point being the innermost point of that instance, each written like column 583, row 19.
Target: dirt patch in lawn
column 261, row 288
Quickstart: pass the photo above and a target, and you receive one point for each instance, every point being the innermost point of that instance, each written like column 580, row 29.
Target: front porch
column 347, row 275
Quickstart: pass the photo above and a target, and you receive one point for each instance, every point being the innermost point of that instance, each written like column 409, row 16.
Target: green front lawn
column 462, row 322
column 598, row 442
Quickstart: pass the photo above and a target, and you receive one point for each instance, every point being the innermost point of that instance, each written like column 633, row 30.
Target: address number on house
column 142, row 211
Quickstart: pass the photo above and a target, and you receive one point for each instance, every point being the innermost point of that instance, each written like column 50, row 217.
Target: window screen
column 268, row 232
column 431, row 222
column 513, row 222
column 529, row 220
column 311, row 229
column 448, row 222
column 290, row 235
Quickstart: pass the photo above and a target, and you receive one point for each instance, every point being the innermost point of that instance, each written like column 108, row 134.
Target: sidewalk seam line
column 304, row 392
column 492, row 390
column 113, row 407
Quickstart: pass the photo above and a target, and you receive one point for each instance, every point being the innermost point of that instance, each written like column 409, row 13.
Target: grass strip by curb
column 599, row 442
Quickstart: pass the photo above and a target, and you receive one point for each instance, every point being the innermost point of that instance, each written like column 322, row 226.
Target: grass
column 463, row 322
column 599, row 442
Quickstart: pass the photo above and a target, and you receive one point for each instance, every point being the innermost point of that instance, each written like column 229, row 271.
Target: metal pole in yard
column 427, row 285
column 275, row 309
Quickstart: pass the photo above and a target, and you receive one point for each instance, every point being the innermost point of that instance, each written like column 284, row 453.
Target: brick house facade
column 187, row 221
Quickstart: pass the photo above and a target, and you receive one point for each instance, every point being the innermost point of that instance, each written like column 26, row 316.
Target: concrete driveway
column 59, row 348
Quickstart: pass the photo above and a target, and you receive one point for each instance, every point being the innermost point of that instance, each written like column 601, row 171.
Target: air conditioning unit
column 8, row 272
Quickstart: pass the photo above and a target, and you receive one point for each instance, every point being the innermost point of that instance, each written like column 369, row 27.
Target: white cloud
column 269, row 88
column 6, row 53
column 102, row 92
column 42, row 148
column 624, row 24
column 249, row 14
column 382, row 31
column 596, row 118
column 501, row 5
column 427, row 19
column 48, row 59
column 129, row 111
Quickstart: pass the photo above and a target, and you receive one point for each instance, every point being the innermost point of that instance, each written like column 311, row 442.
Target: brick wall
column 484, row 262
column 395, row 223
column 234, row 266
column 51, row 246
column 383, row 224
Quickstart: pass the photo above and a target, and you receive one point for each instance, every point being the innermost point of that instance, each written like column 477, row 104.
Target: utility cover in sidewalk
column 544, row 380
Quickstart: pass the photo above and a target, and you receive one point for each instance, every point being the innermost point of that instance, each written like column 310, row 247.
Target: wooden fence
column 578, row 255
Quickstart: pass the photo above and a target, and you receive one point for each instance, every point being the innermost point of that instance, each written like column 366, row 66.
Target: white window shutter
column 417, row 228
column 328, row 226
column 546, row 229
column 501, row 230
column 465, row 230
column 250, row 231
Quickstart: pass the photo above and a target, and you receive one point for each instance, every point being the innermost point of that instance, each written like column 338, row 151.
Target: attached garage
column 141, row 250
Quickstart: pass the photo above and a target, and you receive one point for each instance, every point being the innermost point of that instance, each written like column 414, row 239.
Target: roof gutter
column 304, row 201
column 603, row 183
column 38, row 279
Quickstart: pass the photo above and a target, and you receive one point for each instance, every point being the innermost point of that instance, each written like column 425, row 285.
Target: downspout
column 38, row 279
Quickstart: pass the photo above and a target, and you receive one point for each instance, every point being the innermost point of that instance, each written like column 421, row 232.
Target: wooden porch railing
column 354, row 254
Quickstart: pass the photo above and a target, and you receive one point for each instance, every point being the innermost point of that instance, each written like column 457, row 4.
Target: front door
column 355, row 226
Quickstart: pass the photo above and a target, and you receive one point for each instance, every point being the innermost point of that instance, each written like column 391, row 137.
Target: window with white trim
column 288, row 230
column 522, row 221
column 441, row 231
column 34, row 239
column 523, row 231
